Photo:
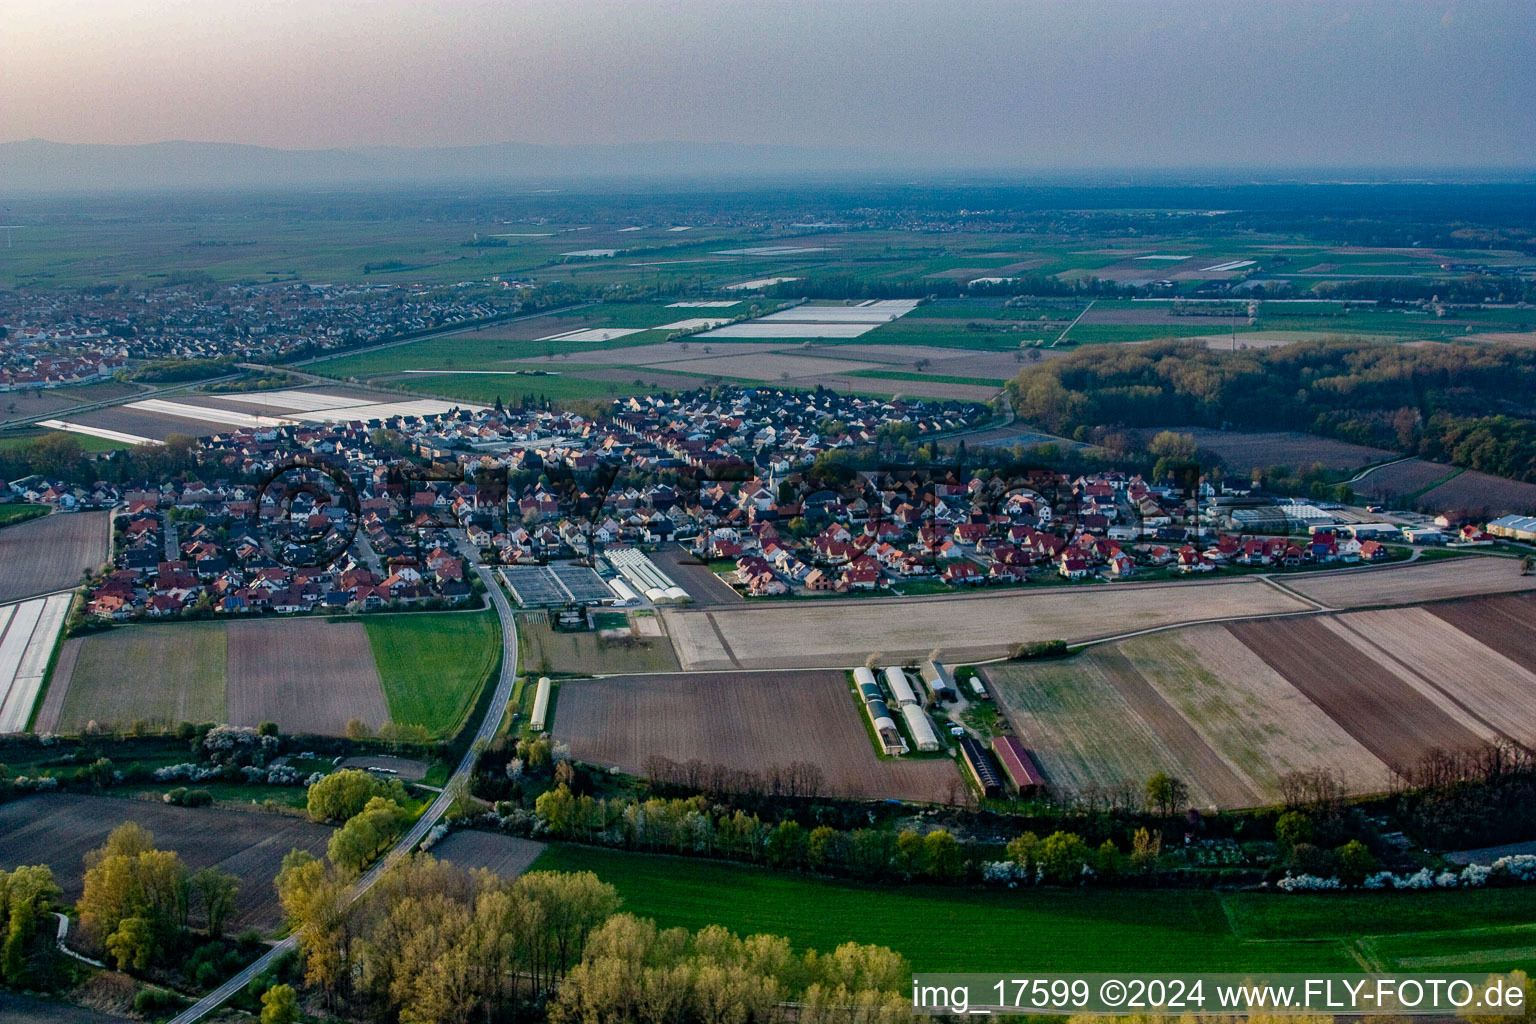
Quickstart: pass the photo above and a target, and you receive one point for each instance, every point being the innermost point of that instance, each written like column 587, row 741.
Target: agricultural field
column 1506, row 624
column 1411, row 583
column 58, row 829
column 158, row 674
column 1402, row 482
column 1194, row 703
column 433, row 668
column 1242, row 451
column 48, row 554
column 745, row 722
column 964, row 627
column 1337, row 670
column 308, row 675
column 507, row 856
column 1089, row 929
column 29, row 631
column 1472, row 491
column 543, row 650
column 19, row 512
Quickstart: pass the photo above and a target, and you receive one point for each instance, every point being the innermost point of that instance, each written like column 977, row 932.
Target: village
column 750, row 482
column 57, row 338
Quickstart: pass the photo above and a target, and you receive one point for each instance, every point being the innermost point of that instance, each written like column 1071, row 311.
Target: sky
column 1026, row 83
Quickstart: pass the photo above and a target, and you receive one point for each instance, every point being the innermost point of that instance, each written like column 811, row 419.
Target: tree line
column 1467, row 404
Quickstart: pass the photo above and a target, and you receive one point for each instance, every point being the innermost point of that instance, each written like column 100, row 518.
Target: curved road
column 430, row 817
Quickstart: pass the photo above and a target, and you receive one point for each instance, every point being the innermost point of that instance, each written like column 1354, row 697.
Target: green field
column 89, row 444
column 433, row 666
column 1069, row 930
column 543, row 650
column 161, row 674
column 20, row 512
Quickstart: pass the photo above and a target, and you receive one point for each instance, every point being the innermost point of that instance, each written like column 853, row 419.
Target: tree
column 24, row 896
column 217, row 890
column 279, row 1005
column 942, row 858
column 1166, row 794
column 1024, row 851
column 367, row 834
column 786, row 845
column 1063, row 855
column 1355, row 862
column 1146, row 850
column 1292, row 829
column 132, row 944
column 342, row 795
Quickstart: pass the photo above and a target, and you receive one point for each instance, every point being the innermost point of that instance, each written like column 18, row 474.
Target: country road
column 430, row 817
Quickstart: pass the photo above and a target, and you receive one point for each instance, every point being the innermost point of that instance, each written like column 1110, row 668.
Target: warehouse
column 1018, row 765
column 901, row 689
column 1514, row 527
column 940, row 683
column 980, row 767
column 922, row 730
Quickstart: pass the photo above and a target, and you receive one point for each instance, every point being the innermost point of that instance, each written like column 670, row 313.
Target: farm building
column 940, row 683
column 979, row 764
column 885, row 726
column 540, row 705
column 922, row 730
column 865, row 680
column 901, row 689
column 641, row 572
column 1514, row 527
column 1018, row 765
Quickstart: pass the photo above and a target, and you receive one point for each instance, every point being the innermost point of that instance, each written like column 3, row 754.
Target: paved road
column 430, row 817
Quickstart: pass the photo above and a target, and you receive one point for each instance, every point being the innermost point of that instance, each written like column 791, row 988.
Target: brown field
column 1494, row 693
column 507, row 856
column 661, row 353
column 1243, row 451
column 58, row 828
column 1195, row 703
column 306, row 675
column 1471, row 491
column 831, row 632
column 912, row 388
column 1412, row 583
column 1506, row 624
column 57, row 402
column 1249, row 714
column 1391, row 484
column 143, row 423
column 1374, row 705
column 15, row 1009
column 746, row 722
column 706, row 589
column 761, row 365
column 44, row 555
column 1524, row 339
column 528, row 330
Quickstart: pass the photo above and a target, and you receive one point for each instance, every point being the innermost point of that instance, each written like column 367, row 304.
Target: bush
column 157, row 1002
column 1038, row 650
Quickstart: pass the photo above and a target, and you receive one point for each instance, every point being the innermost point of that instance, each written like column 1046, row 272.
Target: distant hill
column 39, row 165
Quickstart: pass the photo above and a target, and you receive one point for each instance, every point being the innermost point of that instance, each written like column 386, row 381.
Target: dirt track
column 307, row 675
column 746, row 722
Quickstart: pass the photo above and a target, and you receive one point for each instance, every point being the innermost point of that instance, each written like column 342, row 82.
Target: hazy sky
column 1026, row 84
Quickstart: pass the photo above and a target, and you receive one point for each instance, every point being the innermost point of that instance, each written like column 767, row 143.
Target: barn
column 940, row 683
column 1018, row 765
column 979, row 764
